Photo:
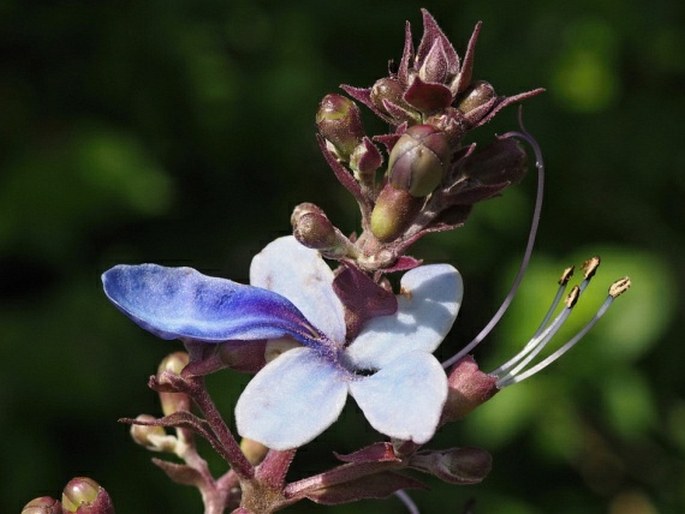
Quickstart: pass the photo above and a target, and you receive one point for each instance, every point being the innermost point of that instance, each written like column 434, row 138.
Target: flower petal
column 300, row 274
column 405, row 398
column 181, row 303
column 291, row 400
column 427, row 307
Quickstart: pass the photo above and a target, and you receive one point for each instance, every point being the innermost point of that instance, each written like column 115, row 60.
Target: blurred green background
column 181, row 132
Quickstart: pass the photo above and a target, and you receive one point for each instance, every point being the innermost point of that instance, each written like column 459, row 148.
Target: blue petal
column 300, row 274
column 404, row 399
column 181, row 303
column 292, row 400
column 427, row 307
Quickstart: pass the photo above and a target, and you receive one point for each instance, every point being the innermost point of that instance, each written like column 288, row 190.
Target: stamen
column 563, row 281
column 538, row 342
column 545, row 332
column 535, row 222
column 407, row 501
column 615, row 290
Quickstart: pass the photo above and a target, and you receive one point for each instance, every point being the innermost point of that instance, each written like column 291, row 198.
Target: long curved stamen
column 407, row 501
column 544, row 332
column 615, row 290
column 536, row 345
column 535, row 222
column 538, row 334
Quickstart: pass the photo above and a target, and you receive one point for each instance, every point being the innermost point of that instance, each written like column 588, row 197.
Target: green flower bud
column 153, row 437
column 253, row 451
column 339, row 121
column 476, row 96
column 388, row 89
column 393, row 212
column 84, row 495
column 42, row 505
column 418, row 160
column 173, row 402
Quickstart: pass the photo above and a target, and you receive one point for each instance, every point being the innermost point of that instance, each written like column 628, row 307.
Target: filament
column 535, row 222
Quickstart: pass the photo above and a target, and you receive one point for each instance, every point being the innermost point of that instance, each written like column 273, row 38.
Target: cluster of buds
column 431, row 178
column 81, row 495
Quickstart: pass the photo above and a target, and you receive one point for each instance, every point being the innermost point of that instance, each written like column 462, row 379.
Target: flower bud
column 83, row 495
column 501, row 162
column 312, row 228
column 173, row 402
column 418, row 160
column 393, row 212
column 468, row 387
column 42, row 505
column 479, row 94
column 365, row 160
column 339, row 121
column 388, row 89
column 456, row 465
column 254, row 451
column 152, row 437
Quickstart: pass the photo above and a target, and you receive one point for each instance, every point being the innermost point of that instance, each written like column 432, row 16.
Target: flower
column 388, row 367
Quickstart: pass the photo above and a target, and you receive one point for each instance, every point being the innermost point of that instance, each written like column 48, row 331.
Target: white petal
column 404, row 399
column 303, row 277
column 427, row 307
column 291, row 400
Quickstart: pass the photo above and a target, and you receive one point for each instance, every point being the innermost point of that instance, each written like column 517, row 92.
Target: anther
column 534, row 346
column 590, row 266
column 566, row 275
column 572, row 297
column 619, row 287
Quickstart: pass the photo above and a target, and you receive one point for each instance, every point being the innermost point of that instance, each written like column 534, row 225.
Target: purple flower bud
column 477, row 95
column 365, row 160
column 456, row 465
column 339, row 121
column 435, row 65
column 387, row 89
column 173, row 402
column 418, row 161
column 468, row 387
column 312, row 228
column 393, row 212
column 84, row 495
column 502, row 162
column 42, row 505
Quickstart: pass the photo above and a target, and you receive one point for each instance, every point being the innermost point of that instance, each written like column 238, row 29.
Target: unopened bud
column 501, row 162
column 153, row 437
column 84, row 495
column 254, row 451
column 173, row 402
column 388, row 89
column 42, row 505
column 468, row 387
column 479, row 94
column 419, row 160
column 455, row 466
column 365, row 160
column 339, row 121
column 312, row 228
column 393, row 212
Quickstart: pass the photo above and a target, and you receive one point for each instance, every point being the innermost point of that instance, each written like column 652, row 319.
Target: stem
column 231, row 451
column 295, row 491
